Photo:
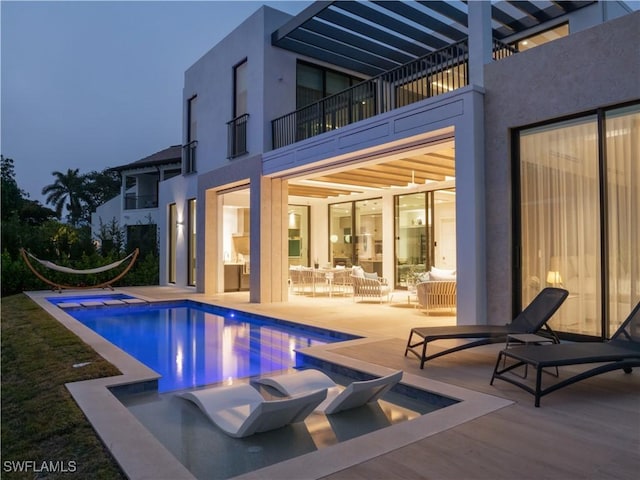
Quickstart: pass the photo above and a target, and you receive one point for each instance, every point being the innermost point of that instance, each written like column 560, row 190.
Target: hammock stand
column 58, row 286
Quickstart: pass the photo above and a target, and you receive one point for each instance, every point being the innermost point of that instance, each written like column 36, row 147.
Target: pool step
column 102, row 303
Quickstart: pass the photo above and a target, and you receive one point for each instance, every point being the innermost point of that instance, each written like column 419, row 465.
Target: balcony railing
column 436, row 73
column 189, row 157
column 502, row 50
column 135, row 202
column 237, row 136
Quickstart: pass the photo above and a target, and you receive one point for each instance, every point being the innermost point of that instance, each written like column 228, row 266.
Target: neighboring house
column 497, row 139
column 137, row 204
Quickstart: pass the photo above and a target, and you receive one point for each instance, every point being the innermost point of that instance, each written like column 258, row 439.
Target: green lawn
column 42, row 427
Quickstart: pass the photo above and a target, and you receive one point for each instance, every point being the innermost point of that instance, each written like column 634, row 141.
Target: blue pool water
column 192, row 344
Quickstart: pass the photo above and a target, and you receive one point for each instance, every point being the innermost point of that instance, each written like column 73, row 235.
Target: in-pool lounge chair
column 240, row 411
column 622, row 352
column 531, row 320
column 354, row 395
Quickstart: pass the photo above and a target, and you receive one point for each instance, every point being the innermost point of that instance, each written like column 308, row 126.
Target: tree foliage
column 67, row 191
column 15, row 202
column 27, row 224
column 100, row 187
column 80, row 194
column 12, row 196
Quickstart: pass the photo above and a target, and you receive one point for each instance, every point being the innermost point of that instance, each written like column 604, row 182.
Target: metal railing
column 502, row 50
column 189, row 157
column 436, row 73
column 135, row 202
column 237, row 136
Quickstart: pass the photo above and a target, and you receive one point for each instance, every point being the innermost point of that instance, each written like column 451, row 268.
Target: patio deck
column 588, row 430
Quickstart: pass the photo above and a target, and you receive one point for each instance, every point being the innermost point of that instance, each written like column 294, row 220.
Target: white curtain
column 560, row 219
column 623, row 211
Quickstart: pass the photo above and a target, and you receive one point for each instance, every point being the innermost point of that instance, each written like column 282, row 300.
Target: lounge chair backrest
column 540, row 310
column 277, row 413
column 359, row 393
column 629, row 331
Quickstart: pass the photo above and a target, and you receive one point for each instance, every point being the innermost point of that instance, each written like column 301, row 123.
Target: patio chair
column 240, row 411
column 364, row 287
column 621, row 352
column 354, row 395
column 531, row 320
column 437, row 294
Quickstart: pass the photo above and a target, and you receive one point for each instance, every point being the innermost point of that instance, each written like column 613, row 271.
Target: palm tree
column 67, row 191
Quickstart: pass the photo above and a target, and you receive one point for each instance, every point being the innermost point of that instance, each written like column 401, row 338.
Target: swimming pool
column 131, row 443
column 192, row 344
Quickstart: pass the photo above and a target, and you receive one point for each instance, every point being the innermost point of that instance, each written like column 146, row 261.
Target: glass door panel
column 623, row 212
column 298, row 232
column 560, row 221
column 443, row 206
column 368, row 224
column 341, row 237
column 412, row 228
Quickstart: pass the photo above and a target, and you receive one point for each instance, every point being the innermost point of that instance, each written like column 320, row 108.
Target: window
column 543, row 37
column 313, row 83
column 240, row 89
column 237, row 127
column 173, row 243
column 189, row 150
column 191, row 254
column 576, row 227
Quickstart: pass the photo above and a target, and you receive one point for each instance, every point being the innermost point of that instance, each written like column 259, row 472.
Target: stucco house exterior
column 500, row 141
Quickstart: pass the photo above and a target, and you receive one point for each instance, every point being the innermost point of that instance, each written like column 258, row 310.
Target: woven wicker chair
column 435, row 294
column 369, row 288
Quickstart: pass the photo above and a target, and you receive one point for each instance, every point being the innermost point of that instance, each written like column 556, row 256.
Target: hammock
column 60, row 268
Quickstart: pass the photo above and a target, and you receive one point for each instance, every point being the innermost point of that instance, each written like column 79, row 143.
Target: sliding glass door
column 579, row 227
column 622, row 150
column 425, row 226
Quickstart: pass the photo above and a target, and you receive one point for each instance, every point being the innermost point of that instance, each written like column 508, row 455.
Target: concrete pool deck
column 589, row 430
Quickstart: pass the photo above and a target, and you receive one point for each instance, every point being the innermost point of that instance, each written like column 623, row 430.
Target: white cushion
column 441, row 277
column 443, row 271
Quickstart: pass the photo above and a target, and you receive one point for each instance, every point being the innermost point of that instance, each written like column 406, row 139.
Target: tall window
column 240, row 106
column 173, row 242
column 623, row 212
column 190, row 148
column 237, row 127
column 572, row 233
column 191, row 254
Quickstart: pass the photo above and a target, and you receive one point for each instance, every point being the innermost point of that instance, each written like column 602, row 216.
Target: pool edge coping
column 141, row 456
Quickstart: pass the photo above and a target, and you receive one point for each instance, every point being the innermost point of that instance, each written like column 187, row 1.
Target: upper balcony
column 409, row 50
column 433, row 74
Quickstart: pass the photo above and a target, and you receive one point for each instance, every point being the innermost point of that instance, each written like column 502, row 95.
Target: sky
column 93, row 85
